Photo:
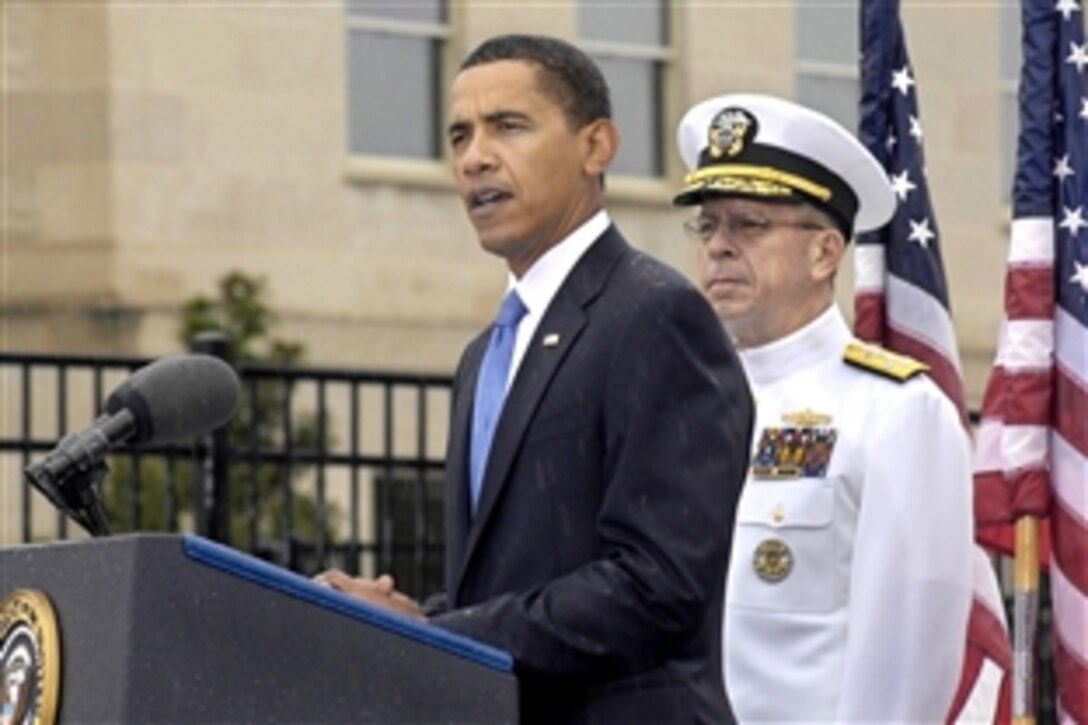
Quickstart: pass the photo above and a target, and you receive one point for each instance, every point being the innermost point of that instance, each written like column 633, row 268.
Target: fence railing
column 320, row 467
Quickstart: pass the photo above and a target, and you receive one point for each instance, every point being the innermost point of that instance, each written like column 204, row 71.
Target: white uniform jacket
column 849, row 588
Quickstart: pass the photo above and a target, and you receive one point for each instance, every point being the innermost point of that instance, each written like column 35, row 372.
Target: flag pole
column 1025, row 619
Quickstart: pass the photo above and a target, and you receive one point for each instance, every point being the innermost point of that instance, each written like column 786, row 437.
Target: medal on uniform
column 800, row 449
column 772, row 560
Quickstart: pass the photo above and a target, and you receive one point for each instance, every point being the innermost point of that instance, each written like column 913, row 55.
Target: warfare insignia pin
column 772, row 560
column 730, row 132
column 789, row 452
column 806, row 417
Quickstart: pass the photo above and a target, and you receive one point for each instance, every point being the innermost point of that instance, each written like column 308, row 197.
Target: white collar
column 824, row 337
column 539, row 284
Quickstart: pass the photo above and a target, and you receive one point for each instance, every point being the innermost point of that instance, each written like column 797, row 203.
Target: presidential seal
column 29, row 659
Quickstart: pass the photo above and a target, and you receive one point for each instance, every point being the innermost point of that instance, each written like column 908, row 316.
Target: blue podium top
column 218, row 556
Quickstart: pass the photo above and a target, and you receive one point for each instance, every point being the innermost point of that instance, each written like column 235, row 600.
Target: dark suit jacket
column 598, row 555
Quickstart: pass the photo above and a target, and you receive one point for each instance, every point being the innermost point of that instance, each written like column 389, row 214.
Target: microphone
column 172, row 398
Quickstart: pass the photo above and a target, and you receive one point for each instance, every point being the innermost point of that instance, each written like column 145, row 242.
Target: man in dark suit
column 592, row 544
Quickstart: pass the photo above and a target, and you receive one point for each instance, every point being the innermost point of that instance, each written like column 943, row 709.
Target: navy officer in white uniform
column 850, row 581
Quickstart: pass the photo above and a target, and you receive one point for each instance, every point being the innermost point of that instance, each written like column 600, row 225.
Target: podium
column 171, row 628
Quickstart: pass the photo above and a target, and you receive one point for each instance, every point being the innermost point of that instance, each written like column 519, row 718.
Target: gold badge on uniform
column 806, row 417
column 876, row 359
column 730, row 131
column 772, row 560
column 799, row 450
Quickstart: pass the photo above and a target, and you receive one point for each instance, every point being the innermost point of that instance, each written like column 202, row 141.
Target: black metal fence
column 319, row 468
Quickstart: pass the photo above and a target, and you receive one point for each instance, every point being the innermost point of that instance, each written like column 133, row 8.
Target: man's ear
column 601, row 140
column 826, row 253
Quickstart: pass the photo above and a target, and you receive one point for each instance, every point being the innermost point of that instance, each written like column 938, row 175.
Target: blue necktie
column 491, row 390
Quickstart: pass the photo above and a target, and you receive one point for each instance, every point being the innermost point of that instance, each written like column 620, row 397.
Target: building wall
column 56, row 235
column 152, row 147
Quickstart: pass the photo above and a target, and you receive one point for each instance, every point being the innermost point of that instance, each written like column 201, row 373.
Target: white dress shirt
column 538, row 286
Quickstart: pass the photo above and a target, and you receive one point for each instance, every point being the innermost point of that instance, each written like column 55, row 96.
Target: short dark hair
column 565, row 73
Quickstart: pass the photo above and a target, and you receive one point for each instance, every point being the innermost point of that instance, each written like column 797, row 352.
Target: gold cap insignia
column 772, row 560
column 730, row 131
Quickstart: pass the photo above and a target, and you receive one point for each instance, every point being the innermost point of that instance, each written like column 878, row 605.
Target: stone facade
column 151, row 147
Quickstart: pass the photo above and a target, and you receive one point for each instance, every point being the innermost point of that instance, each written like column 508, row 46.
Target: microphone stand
column 79, row 497
column 86, row 487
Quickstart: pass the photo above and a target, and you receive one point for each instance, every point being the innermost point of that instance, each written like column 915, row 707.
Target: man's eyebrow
column 499, row 116
column 461, row 126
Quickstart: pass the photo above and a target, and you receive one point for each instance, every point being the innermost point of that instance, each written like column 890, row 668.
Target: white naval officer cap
column 767, row 148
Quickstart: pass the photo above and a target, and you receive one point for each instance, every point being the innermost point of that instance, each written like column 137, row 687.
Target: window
column 394, row 77
column 826, row 42
column 630, row 43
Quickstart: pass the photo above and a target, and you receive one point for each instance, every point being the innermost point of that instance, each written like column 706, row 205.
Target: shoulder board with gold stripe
column 878, row 360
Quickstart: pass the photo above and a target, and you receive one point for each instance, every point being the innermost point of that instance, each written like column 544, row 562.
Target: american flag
column 901, row 303
column 1032, row 452
column 901, row 297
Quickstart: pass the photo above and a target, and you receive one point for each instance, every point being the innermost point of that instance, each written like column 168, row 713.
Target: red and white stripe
column 902, row 317
column 1069, row 516
column 984, row 694
column 1032, row 452
column 1011, row 444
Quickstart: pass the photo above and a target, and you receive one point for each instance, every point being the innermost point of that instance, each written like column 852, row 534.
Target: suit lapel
column 565, row 317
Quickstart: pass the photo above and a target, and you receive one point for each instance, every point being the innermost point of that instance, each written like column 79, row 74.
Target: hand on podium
column 380, row 592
